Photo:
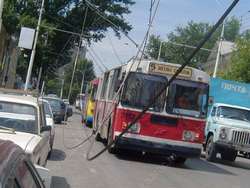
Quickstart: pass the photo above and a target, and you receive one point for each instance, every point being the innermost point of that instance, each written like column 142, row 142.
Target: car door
column 44, row 145
column 22, row 174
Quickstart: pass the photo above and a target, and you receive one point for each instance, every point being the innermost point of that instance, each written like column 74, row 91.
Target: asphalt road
column 130, row 169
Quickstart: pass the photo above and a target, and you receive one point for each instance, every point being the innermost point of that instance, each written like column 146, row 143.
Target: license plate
column 242, row 149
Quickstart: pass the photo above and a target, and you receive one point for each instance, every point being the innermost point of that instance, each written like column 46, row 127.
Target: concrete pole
column 218, row 52
column 32, row 57
column 62, row 88
column 159, row 54
column 1, row 12
column 220, row 43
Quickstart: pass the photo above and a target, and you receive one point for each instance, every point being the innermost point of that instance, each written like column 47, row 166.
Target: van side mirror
column 210, row 100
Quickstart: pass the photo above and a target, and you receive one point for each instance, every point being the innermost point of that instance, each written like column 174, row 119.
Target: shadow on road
column 57, row 155
column 197, row 164
column 59, row 182
column 240, row 162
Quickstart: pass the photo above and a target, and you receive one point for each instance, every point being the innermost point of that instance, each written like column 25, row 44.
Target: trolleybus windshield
column 187, row 98
column 139, row 90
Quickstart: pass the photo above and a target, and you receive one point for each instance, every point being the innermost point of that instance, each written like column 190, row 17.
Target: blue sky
column 169, row 15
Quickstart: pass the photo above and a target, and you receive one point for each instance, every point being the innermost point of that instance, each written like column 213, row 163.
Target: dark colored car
column 59, row 108
column 17, row 170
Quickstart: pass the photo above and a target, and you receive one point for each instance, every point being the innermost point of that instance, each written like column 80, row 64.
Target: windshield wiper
column 8, row 129
column 179, row 114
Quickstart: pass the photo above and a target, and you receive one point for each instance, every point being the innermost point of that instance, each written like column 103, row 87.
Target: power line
column 95, row 9
column 99, row 58
column 114, row 48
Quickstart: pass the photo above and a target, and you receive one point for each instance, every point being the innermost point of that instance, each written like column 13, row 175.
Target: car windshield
column 20, row 117
column 54, row 103
column 48, row 112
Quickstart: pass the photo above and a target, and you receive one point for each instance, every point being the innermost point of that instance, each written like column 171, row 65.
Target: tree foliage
column 182, row 41
column 85, row 71
column 53, row 47
column 239, row 68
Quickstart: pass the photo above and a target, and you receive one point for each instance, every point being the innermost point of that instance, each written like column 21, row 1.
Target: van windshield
column 233, row 113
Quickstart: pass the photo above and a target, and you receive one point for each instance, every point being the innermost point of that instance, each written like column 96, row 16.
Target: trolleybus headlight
column 190, row 135
column 135, row 128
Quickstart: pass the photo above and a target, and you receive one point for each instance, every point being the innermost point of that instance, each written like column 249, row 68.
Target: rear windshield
column 20, row 117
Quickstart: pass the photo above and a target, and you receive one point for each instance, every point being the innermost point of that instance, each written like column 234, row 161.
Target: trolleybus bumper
column 158, row 148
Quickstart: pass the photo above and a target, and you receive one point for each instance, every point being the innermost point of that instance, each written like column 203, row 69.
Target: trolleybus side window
column 114, row 83
column 105, row 86
column 187, row 98
column 140, row 89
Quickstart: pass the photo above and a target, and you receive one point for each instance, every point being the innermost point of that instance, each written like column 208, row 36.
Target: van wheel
column 210, row 149
column 229, row 156
column 112, row 149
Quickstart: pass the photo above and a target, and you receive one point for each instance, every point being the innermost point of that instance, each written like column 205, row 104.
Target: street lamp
column 83, row 73
column 159, row 54
column 220, row 44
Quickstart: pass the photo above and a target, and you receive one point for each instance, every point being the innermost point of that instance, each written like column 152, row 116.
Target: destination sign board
column 167, row 69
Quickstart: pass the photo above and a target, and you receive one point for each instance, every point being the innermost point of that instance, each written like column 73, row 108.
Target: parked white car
column 22, row 120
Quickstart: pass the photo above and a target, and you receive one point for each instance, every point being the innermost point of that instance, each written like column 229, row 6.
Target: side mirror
column 46, row 128
column 210, row 100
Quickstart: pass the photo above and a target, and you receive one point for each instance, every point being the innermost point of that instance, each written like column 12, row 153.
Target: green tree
column 180, row 42
column 53, row 46
column 239, row 68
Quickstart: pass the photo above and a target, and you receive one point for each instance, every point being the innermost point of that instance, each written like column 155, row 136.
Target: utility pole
column 1, row 12
column 220, row 44
column 32, row 57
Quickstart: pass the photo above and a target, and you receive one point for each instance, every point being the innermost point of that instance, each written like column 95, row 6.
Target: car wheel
column 210, row 149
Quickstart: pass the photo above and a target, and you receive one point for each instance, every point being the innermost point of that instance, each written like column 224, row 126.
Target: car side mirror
column 46, row 128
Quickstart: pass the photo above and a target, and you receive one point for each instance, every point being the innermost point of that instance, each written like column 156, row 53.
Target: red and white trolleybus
column 173, row 125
